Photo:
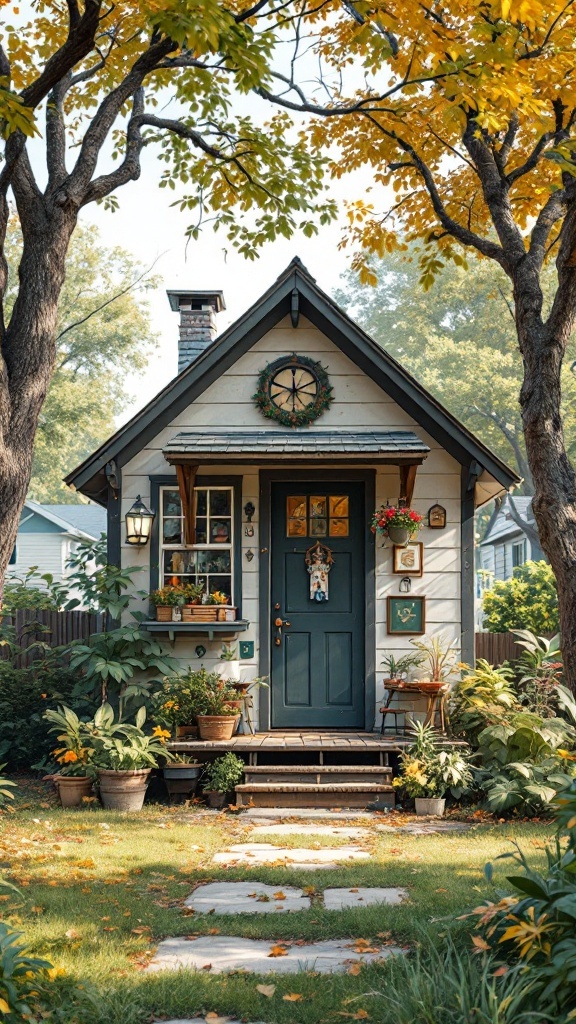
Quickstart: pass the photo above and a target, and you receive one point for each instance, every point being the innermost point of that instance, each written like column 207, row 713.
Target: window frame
column 519, row 545
column 156, row 546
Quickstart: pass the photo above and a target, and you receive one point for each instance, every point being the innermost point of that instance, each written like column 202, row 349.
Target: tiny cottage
column 262, row 462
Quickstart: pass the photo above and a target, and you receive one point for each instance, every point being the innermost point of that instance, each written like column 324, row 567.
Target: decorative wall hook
column 405, row 585
column 249, row 510
column 249, row 555
column 249, row 531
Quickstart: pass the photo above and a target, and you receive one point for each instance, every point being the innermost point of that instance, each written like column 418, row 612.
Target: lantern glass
column 139, row 521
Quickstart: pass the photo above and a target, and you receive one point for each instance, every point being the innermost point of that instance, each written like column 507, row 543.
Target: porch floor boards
column 366, row 742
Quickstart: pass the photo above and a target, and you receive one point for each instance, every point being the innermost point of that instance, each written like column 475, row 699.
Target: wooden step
column 326, row 775
column 299, row 794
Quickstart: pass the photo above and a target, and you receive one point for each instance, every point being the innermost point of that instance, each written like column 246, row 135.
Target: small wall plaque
column 406, row 615
column 246, row 649
column 437, row 517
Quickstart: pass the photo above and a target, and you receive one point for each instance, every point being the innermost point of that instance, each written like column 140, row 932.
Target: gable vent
column 197, row 322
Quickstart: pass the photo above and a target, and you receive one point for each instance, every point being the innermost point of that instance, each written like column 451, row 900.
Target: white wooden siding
column 358, row 404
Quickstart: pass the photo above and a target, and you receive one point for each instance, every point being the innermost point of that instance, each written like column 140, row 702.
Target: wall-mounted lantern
column 139, row 521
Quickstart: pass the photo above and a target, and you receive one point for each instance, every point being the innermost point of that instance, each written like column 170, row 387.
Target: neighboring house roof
column 295, row 292
column 83, row 521
column 310, row 442
column 502, row 527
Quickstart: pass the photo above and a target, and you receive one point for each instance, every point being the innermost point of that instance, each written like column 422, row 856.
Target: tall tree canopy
column 91, row 82
column 103, row 326
column 459, row 340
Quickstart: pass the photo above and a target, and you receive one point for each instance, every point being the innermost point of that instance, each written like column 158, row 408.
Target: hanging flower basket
column 398, row 524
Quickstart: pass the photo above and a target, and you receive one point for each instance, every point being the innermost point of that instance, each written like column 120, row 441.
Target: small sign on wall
column 246, row 649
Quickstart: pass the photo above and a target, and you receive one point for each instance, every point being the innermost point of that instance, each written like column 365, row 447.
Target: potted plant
column 165, row 600
column 398, row 668
column 181, row 698
column 182, row 774
column 397, row 523
column 76, row 776
column 220, row 599
column 218, row 720
column 228, row 667
column 124, row 756
column 427, row 772
column 440, row 654
column 192, row 597
column 221, row 777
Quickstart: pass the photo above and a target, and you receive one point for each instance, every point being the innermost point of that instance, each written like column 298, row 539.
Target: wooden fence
column 496, row 648
column 56, row 629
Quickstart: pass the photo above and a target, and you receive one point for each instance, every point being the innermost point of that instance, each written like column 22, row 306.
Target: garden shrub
column 534, row 926
column 529, row 600
column 484, row 696
column 25, row 693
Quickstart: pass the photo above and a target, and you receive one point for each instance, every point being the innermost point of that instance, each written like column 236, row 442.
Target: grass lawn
column 99, row 890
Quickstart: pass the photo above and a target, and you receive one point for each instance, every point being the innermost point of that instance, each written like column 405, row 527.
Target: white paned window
column 210, row 559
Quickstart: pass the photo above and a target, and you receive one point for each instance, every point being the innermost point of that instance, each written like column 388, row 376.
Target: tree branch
column 129, row 169
column 77, row 46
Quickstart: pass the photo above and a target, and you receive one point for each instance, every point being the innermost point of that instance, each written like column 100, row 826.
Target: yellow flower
column 160, row 733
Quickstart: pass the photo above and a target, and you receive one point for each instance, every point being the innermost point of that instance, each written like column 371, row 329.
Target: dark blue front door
column 317, row 667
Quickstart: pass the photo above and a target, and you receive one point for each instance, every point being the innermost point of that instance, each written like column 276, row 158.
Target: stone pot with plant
column 221, row 777
column 165, row 600
column 181, row 775
column 124, row 755
column 77, row 774
column 427, row 772
column 397, row 523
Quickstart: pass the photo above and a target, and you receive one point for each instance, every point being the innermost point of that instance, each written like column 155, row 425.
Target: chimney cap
column 196, row 299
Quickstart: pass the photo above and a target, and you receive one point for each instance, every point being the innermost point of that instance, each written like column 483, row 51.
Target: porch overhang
column 268, row 447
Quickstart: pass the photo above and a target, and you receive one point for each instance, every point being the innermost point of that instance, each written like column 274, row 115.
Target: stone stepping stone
column 246, row 898
column 215, row 954
column 266, row 853
column 341, row 832
column 428, row 828
column 343, row 899
column 306, row 813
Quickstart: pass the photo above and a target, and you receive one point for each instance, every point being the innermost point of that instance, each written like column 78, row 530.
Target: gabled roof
column 295, row 292
column 87, row 522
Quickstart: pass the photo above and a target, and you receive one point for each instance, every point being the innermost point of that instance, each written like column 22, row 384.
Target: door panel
column 317, row 670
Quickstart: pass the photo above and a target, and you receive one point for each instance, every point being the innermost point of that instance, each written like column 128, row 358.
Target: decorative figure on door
column 319, row 561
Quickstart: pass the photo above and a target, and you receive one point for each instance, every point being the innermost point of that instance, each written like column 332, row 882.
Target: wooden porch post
column 407, row 481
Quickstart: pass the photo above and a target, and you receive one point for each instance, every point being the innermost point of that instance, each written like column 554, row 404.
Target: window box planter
column 205, row 613
column 163, row 613
column 123, row 790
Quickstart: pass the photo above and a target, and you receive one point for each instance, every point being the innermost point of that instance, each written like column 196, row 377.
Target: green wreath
column 324, row 395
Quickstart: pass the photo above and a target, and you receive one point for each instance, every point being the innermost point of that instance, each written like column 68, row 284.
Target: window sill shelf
column 213, row 630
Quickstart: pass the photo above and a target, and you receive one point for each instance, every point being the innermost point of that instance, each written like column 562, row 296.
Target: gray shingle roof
column 90, row 519
column 295, row 442
column 504, row 526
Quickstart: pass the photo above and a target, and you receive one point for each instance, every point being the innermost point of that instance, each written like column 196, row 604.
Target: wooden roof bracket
column 186, row 476
column 407, row 481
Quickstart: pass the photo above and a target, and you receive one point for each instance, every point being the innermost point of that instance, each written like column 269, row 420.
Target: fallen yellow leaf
column 278, row 951
column 279, row 895
column 266, row 990
column 292, row 997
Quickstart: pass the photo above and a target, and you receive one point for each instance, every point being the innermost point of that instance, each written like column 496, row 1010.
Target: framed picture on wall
column 409, row 560
column 406, row 615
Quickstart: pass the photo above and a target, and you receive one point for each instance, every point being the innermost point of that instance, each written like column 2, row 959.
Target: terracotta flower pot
column 214, row 798
column 163, row 613
column 433, row 806
column 72, row 788
column 183, row 731
column 216, row 727
column 123, row 791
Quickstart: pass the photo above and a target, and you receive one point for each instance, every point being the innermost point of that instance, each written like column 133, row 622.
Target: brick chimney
column 197, row 322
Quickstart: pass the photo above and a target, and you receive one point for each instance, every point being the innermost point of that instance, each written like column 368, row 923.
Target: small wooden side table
column 434, row 692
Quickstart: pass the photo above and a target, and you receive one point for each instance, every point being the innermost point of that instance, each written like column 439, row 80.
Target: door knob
column 278, row 623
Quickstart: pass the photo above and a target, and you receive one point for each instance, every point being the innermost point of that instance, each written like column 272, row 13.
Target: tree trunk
column 554, row 501
column 28, row 354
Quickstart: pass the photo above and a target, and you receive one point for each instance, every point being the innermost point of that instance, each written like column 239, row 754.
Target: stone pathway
column 342, row 899
column 215, row 954
column 256, row 854
column 306, row 814
column 246, row 898
column 295, row 829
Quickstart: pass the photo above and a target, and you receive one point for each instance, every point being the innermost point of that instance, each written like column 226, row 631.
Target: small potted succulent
column 221, row 777
column 181, row 775
column 228, row 666
column 398, row 668
column 192, row 598
column 165, row 600
column 76, row 775
column 396, row 522
column 427, row 772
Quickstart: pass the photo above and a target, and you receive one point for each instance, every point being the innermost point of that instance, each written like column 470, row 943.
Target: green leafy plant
column 229, row 652
column 533, row 926
column 224, row 773
column 33, row 590
column 6, row 787
column 397, row 668
column 439, row 653
column 121, row 746
column 484, row 696
column 529, row 600
column 192, row 591
column 110, row 661
column 19, row 975
column 104, row 587
column 170, row 597
column 73, row 757
column 195, row 692
column 524, row 762
column 541, row 667
column 428, row 771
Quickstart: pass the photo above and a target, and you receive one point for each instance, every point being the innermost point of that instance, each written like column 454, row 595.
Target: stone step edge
column 306, row 787
column 320, row 769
